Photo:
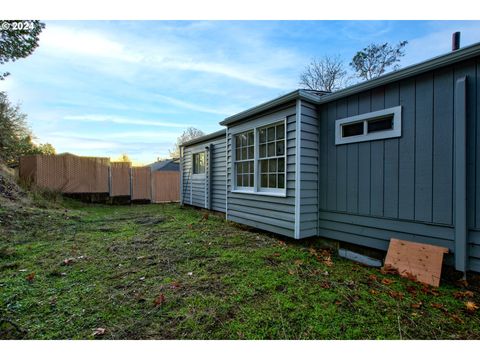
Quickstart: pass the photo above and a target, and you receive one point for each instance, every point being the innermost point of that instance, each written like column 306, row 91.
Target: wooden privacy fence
column 72, row 174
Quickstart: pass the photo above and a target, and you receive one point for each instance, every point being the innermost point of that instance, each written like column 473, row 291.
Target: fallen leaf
column 276, row 254
column 412, row 290
column 410, row 276
column 462, row 282
column 312, row 251
column 373, row 292
column 373, row 277
column 325, row 285
column 437, row 306
column 291, row 271
column 416, row 305
column 30, row 277
column 159, row 300
column 387, row 281
column 205, row 216
column 99, row 331
column 396, row 294
column 457, row 318
column 388, row 269
column 175, row 285
column 429, row 290
column 463, row 294
column 471, row 306
column 298, row 262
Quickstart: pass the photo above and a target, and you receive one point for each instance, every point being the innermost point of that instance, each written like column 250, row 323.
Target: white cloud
column 63, row 39
column 195, row 107
column 173, row 53
column 438, row 42
column 123, row 120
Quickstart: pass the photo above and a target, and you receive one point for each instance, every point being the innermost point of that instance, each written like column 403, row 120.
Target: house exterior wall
column 205, row 190
column 308, row 166
column 271, row 213
column 367, row 192
column 401, row 187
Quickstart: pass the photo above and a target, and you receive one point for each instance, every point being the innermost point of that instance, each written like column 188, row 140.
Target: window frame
column 256, row 189
column 236, row 161
column 396, row 131
column 201, row 174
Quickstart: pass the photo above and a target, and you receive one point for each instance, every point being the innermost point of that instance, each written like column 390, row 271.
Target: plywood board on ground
column 415, row 260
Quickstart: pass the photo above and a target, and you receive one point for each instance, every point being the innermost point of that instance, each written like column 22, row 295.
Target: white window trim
column 256, row 189
column 377, row 135
column 199, row 175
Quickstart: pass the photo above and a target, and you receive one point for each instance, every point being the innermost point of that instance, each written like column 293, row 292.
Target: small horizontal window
column 382, row 124
column 352, row 129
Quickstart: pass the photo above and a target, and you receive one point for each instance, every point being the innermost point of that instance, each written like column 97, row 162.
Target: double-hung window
column 244, row 160
column 271, row 154
column 260, row 159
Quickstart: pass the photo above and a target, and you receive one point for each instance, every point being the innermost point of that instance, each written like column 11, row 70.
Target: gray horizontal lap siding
column 218, row 174
column 275, row 214
column 195, row 190
column 372, row 191
column 309, row 170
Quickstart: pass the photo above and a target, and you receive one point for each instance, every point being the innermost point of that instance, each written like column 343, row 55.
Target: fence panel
column 82, row 175
column 141, row 183
column 120, row 179
column 28, row 168
column 165, row 186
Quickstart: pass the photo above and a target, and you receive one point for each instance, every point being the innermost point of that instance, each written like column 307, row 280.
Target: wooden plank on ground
column 414, row 260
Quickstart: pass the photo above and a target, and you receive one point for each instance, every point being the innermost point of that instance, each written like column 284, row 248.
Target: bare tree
column 324, row 74
column 375, row 59
column 189, row 134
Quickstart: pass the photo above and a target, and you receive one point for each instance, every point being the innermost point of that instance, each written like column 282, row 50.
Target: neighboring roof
column 205, row 138
column 165, row 165
column 320, row 98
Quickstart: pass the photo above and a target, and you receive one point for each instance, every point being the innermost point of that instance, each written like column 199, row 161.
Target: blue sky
column 110, row 87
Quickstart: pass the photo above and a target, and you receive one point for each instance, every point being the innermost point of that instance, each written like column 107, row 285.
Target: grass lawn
column 165, row 272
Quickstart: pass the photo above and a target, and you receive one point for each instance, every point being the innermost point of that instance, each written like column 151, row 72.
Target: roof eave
column 205, row 138
column 296, row 94
column 409, row 71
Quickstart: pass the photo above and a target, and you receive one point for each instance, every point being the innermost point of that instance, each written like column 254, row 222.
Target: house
column 165, row 165
column 396, row 156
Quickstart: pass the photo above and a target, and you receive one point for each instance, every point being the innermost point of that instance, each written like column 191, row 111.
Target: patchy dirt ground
column 163, row 272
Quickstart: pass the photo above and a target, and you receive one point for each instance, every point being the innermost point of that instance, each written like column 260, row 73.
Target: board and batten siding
column 402, row 187
column 205, row 190
column 271, row 213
